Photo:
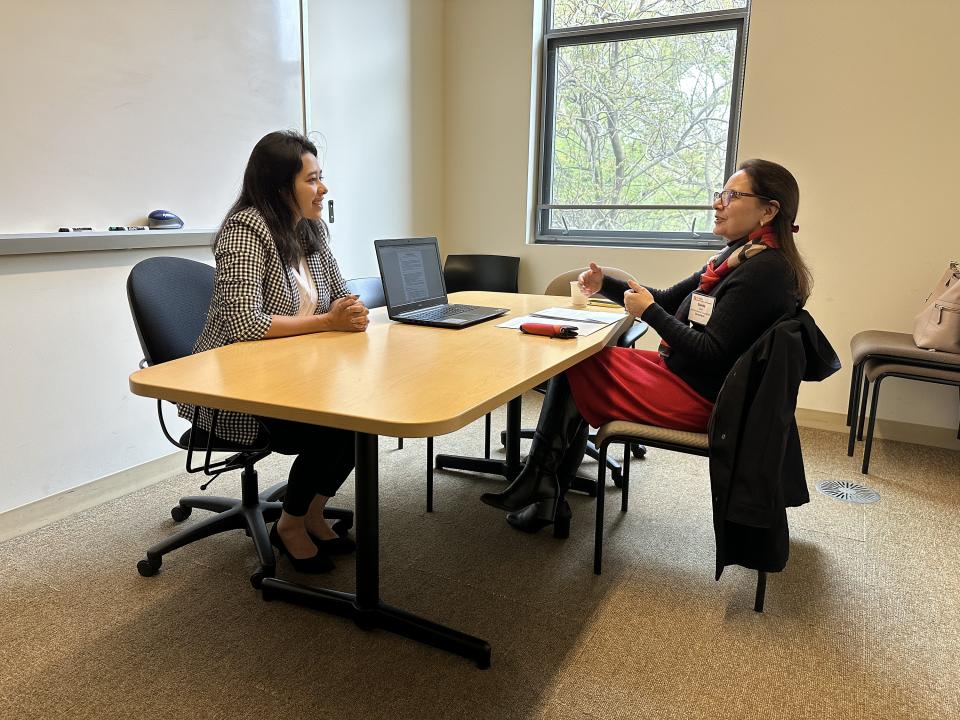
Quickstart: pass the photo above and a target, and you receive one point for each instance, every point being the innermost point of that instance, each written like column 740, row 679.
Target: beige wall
column 858, row 98
column 376, row 87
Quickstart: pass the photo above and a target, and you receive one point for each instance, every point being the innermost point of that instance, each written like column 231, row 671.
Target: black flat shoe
column 319, row 563
column 342, row 527
column 535, row 517
column 341, row 545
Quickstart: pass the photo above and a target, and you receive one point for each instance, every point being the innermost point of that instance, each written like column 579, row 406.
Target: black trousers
column 325, row 457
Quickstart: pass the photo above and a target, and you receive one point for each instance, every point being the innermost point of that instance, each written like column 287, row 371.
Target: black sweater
column 748, row 301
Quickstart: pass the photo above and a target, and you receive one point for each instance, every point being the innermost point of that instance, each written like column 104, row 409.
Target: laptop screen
column 411, row 272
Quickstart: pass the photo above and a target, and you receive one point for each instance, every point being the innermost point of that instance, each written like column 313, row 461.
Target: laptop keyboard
column 440, row 312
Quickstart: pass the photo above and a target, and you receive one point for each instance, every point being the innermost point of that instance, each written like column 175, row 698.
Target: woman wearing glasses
column 705, row 323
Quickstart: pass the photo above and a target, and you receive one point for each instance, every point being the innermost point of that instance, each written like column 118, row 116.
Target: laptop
column 414, row 289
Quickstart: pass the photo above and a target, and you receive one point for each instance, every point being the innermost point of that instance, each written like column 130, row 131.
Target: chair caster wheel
column 616, row 474
column 342, row 527
column 584, row 485
column 148, row 567
column 180, row 513
column 639, row 451
column 257, row 578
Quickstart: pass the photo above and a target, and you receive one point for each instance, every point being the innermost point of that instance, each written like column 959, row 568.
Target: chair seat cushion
column 894, row 344
column 875, row 368
column 219, row 445
column 651, row 433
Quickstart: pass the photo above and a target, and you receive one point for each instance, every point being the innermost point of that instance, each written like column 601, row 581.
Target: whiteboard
column 113, row 108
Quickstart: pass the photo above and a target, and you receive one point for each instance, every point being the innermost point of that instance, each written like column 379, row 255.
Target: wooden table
column 396, row 380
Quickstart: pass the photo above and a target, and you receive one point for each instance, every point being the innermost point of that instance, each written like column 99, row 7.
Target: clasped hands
column 636, row 300
column 348, row 314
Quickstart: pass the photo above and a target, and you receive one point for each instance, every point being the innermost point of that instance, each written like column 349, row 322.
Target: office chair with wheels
column 169, row 298
column 370, row 291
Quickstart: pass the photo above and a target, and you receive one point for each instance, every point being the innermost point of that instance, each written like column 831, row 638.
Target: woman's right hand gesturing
column 348, row 314
column 591, row 280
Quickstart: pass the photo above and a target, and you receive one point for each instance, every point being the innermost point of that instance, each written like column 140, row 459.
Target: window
column 641, row 105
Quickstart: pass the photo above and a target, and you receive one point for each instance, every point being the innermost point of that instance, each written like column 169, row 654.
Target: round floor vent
column 848, row 491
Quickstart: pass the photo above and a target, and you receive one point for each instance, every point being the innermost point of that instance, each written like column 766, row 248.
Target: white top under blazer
column 252, row 283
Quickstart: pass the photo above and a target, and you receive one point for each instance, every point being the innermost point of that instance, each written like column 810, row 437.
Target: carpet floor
column 863, row 623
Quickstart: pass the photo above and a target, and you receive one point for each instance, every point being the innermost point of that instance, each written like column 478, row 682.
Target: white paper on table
column 559, row 313
column 583, row 328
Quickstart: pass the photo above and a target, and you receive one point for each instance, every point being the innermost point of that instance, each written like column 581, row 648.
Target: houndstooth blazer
column 251, row 283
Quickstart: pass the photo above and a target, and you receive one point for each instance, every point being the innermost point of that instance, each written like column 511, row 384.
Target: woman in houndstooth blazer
column 275, row 277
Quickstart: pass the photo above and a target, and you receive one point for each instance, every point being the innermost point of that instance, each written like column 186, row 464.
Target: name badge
column 701, row 308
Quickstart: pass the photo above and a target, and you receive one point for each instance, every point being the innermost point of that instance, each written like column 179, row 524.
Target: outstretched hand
column 348, row 314
column 637, row 299
column 591, row 280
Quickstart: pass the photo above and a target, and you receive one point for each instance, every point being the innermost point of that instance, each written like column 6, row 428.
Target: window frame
column 735, row 19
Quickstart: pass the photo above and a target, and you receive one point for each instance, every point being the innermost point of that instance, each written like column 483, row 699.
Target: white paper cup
column 577, row 298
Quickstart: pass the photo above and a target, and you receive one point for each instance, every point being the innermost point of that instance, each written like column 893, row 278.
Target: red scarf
column 760, row 239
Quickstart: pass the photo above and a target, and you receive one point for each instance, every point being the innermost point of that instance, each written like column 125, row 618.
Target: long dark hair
column 776, row 182
column 268, row 186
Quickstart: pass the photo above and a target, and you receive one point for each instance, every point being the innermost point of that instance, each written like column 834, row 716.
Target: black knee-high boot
column 538, row 481
column 534, row 517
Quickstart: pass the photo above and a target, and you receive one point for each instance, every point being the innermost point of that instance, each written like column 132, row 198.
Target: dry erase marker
column 74, row 229
column 330, row 209
column 127, row 227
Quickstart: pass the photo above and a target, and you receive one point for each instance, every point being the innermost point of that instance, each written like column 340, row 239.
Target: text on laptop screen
column 411, row 273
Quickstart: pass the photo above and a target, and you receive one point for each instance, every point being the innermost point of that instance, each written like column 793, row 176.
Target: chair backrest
column 560, row 285
column 369, row 290
column 494, row 273
column 169, row 298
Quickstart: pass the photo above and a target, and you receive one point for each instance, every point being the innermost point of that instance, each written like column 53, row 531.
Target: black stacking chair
column 691, row 443
column 628, row 433
column 492, row 273
column 169, row 298
column 878, row 354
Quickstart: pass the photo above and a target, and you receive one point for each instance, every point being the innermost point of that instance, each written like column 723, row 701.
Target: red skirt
column 636, row 386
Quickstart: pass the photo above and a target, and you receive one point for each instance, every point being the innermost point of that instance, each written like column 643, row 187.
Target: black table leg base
column 401, row 622
column 579, row 483
column 472, row 464
column 383, row 616
column 507, row 468
column 330, row 601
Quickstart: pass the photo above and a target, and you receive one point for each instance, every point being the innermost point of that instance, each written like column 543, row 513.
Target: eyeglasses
column 725, row 196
